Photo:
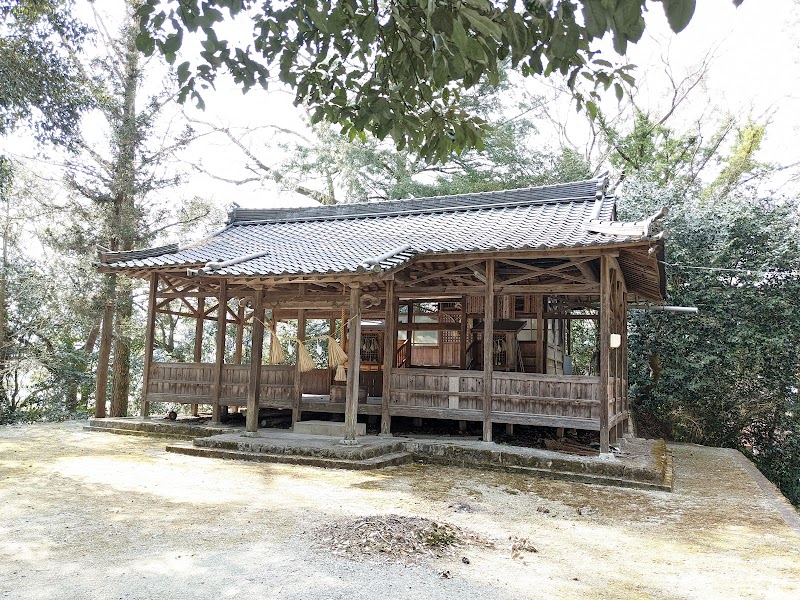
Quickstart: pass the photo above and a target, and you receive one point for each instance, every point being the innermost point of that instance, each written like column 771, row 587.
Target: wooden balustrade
column 521, row 398
column 190, row 383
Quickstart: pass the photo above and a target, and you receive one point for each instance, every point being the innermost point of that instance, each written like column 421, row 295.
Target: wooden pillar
column 237, row 349
column 624, row 351
column 103, row 360
column 240, row 325
column 605, row 350
column 256, row 351
column 488, row 353
column 541, row 348
column 389, row 350
column 149, row 342
column 410, row 333
column 463, row 334
column 222, row 323
column 298, row 375
column 353, row 366
column 198, row 338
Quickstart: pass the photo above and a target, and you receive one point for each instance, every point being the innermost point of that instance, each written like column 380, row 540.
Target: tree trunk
column 122, row 349
column 125, row 218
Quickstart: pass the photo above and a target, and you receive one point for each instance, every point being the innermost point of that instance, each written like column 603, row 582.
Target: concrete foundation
column 639, row 463
column 329, row 428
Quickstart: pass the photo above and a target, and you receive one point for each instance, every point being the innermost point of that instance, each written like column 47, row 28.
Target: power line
column 771, row 271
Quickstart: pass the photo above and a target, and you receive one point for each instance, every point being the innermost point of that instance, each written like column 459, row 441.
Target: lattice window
column 370, row 348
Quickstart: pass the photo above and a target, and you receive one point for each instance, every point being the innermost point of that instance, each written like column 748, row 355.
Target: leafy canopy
column 395, row 68
column 41, row 82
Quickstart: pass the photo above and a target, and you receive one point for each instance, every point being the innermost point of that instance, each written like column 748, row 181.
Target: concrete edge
column 570, row 476
column 788, row 513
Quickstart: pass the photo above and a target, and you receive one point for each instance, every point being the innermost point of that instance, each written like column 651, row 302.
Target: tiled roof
column 343, row 238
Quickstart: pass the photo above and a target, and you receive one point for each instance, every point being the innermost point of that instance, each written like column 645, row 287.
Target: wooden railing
column 437, row 393
column 191, row 383
column 403, row 355
column 547, row 400
column 523, row 398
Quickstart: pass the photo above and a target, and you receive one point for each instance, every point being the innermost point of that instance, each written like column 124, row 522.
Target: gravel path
column 96, row 515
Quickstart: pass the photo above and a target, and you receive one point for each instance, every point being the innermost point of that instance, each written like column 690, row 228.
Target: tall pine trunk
column 124, row 231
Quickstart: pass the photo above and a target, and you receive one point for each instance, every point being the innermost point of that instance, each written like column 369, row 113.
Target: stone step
column 139, row 432
column 328, row 428
column 311, row 446
column 375, row 462
column 157, row 427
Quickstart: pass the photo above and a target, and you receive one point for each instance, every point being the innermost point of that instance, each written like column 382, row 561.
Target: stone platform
column 638, row 463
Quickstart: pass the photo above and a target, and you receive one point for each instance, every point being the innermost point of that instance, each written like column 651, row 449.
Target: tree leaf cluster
column 396, row 68
column 42, row 84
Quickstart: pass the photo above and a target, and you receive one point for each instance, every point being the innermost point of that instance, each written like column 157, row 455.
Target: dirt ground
column 96, row 515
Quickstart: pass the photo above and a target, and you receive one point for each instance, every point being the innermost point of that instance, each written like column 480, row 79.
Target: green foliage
column 43, row 85
column 729, row 376
column 396, row 68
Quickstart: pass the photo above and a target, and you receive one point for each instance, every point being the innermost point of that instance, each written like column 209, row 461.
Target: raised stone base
column 329, row 428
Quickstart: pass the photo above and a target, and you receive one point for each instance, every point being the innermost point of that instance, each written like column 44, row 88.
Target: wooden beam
column 298, row 375
column 389, row 350
column 149, row 342
column 455, row 292
column 256, row 351
column 605, row 349
column 434, row 274
column 353, row 366
column 222, row 323
column 488, row 354
column 587, row 270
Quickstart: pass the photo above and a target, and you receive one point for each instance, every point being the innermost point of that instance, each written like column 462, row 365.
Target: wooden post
column 222, row 323
column 256, row 350
column 410, row 333
column 488, row 353
column 624, row 350
column 103, row 360
column 463, row 334
column 541, row 350
column 605, row 350
column 353, row 366
column 198, row 339
column 240, row 325
column 237, row 351
column 389, row 350
column 298, row 375
column 148, row 344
